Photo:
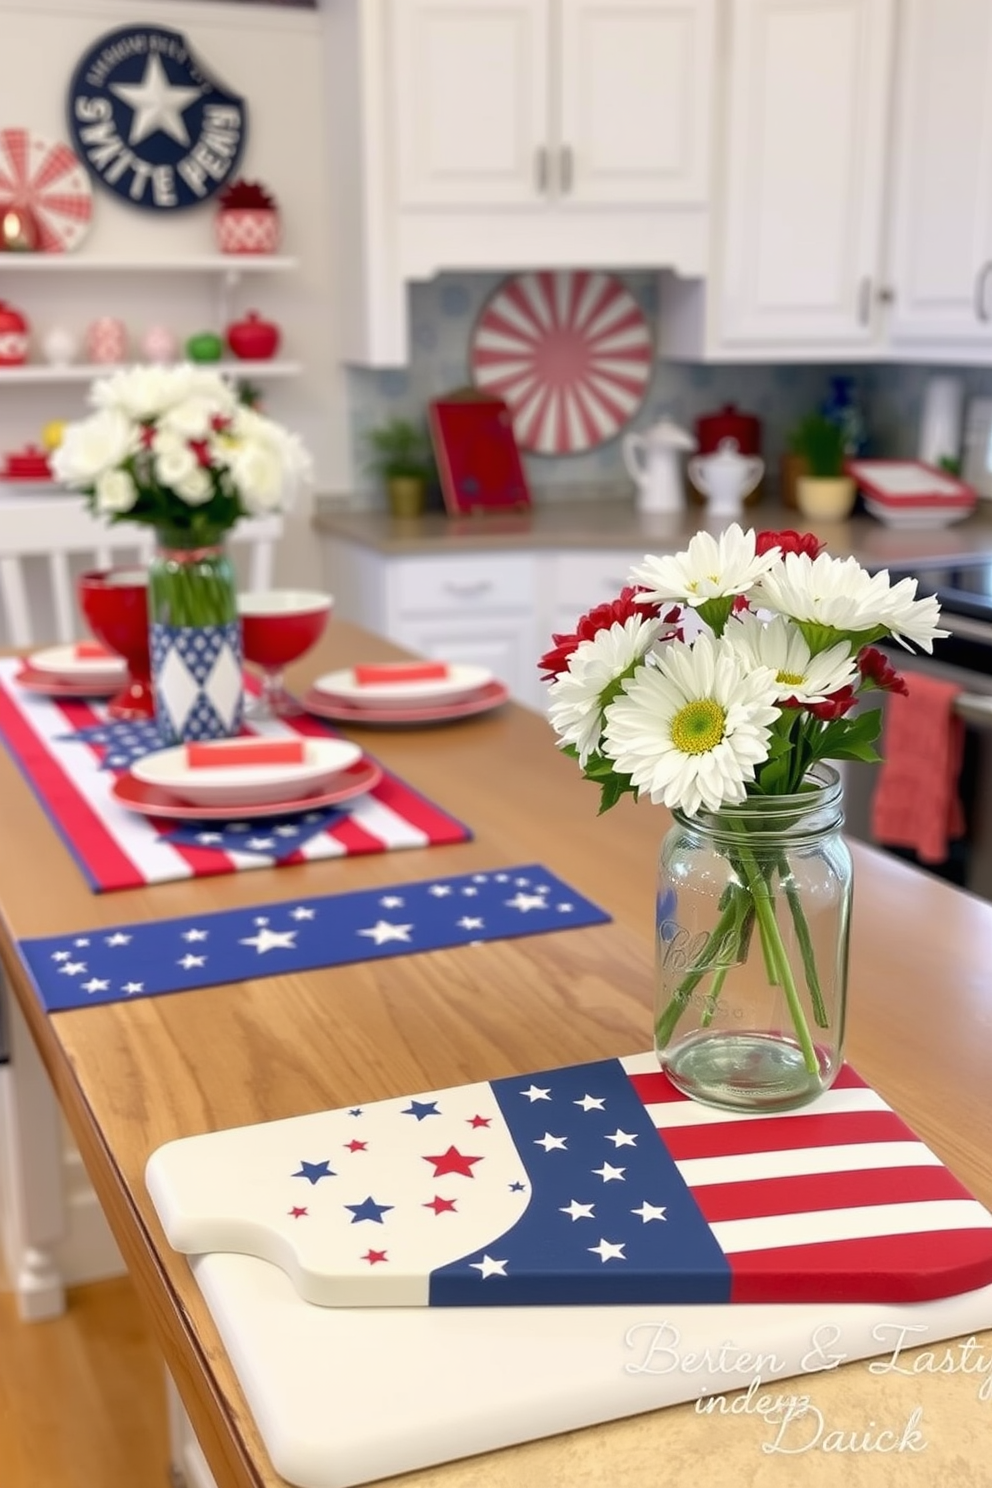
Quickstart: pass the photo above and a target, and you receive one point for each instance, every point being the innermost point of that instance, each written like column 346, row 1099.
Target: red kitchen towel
column 916, row 802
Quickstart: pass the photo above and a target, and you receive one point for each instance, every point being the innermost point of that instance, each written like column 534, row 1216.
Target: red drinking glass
column 115, row 604
column 279, row 626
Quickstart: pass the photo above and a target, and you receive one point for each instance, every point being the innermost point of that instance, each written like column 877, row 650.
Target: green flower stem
column 805, row 945
column 771, row 938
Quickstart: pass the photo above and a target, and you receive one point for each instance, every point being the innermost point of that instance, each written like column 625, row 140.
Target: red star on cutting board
column 441, row 1206
column 452, row 1161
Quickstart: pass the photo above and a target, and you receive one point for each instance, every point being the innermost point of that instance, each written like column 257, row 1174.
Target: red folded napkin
column 399, row 671
column 221, row 755
column 916, row 802
column 93, row 651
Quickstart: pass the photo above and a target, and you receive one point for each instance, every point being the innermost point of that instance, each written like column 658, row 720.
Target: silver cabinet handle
column 864, row 300
column 566, row 169
column 468, row 591
column 974, row 708
column 981, row 284
column 541, row 169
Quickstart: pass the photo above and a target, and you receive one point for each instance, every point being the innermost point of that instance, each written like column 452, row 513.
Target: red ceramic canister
column 13, row 336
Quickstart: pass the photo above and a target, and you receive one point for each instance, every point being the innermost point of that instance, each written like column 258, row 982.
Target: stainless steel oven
column 964, row 588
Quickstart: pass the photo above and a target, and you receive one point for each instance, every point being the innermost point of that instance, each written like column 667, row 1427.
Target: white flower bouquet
column 782, row 652
column 174, row 448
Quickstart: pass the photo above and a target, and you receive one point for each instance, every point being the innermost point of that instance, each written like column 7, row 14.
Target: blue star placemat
column 234, row 945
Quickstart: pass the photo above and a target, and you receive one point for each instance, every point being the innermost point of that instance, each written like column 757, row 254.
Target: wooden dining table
column 133, row 1075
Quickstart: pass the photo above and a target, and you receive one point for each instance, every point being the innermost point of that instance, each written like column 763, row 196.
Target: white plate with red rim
column 493, row 695
column 148, row 800
column 400, row 684
column 235, row 773
column 85, row 661
column 919, row 517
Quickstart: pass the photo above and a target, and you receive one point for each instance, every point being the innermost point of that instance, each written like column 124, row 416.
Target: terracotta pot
column 248, row 230
column 13, row 336
column 253, row 339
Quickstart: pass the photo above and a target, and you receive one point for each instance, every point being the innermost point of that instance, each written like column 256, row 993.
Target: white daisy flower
column 780, row 645
column 835, row 597
column 577, row 696
column 690, row 730
column 710, row 568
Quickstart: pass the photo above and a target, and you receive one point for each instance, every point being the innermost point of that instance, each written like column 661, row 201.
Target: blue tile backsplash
column 443, row 312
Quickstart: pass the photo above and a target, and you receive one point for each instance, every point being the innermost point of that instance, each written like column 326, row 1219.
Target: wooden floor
column 82, row 1398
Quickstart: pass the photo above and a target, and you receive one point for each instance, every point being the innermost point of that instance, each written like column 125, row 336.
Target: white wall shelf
column 86, row 371
column 71, row 263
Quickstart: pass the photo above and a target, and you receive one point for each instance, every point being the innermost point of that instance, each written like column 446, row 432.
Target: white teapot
column 726, row 477
column 652, row 459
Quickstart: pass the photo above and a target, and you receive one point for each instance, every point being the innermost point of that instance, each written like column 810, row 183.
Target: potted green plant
column 401, row 456
column 822, row 490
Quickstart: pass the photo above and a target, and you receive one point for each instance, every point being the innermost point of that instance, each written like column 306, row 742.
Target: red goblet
column 115, row 604
column 278, row 626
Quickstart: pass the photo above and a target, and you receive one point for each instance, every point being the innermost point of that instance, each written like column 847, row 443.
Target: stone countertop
column 616, row 525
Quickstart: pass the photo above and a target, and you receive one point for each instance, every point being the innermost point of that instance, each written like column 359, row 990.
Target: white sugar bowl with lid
column 725, row 477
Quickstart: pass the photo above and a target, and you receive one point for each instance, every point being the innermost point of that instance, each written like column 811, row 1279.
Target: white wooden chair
column 57, row 530
column 54, row 529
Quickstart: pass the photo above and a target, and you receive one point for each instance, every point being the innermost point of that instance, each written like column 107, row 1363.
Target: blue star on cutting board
column 313, row 1172
column 368, row 1209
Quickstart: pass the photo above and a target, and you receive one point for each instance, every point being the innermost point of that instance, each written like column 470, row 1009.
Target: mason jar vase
column 753, row 920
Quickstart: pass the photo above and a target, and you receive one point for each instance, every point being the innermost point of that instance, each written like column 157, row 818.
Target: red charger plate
column 490, row 696
column 151, row 800
column 49, row 685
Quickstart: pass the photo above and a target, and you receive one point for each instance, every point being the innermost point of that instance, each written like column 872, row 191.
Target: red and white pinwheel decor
column 570, row 352
column 45, row 178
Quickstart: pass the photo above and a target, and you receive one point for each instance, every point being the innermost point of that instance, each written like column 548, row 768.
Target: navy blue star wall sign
column 150, row 123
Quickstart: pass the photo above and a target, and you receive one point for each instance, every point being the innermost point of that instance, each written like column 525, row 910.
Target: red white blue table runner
column 593, row 1184
column 117, row 849
column 120, row 962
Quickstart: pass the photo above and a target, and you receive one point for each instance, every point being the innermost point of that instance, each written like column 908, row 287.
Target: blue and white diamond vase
column 196, row 677
column 196, row 651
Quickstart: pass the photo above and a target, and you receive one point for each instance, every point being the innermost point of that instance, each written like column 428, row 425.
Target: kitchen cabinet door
column 636, row 93
column 471, row 101
column 806, row 137
column 940, row 251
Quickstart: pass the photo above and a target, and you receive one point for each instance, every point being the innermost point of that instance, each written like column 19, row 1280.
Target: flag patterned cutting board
column 592, row 1184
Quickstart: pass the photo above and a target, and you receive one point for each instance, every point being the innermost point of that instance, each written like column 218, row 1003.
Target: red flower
column 147, row 436
column 835, row 705
column 741, row 603
column 601, row 617
column 789, row 542
column 876, row 668
column 220, row 423
column 201, row 451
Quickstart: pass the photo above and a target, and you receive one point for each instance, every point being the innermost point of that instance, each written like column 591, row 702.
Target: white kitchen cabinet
column 455, row 607
column 940, row 256
column 805, row 171
column 574, row 582
column 516, row 102
column 799, row 199
column 472, row 105
column 513, row 134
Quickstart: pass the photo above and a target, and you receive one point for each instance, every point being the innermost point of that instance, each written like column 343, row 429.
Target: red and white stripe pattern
column 47, row 178
column 570, row 353
column 117, row 849
column 840, row 1188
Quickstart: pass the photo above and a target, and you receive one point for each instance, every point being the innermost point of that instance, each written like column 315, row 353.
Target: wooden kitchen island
column 131, row 1076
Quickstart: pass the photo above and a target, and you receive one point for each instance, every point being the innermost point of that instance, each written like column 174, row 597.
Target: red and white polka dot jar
column 106, row 340
column 248, row 230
